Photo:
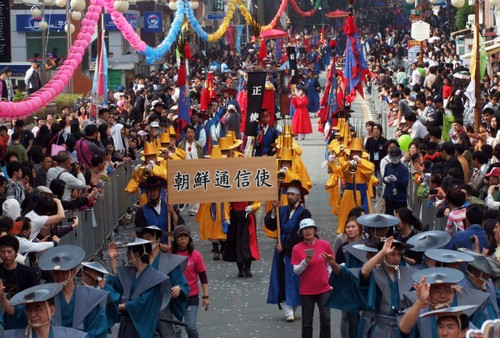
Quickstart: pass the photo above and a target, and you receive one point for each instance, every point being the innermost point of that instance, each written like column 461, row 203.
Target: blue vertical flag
column 184, row 105
column 278, row 49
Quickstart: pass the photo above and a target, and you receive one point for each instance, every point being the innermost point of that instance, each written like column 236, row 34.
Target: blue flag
column 184, row 105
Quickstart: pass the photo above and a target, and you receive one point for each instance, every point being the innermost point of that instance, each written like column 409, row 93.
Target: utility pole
column 477, row 72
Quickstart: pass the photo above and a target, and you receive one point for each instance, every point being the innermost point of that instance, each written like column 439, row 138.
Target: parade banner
column 413, row 50
column 239, row 33
column 292, row 63
column 222, row 180
column 255, row 86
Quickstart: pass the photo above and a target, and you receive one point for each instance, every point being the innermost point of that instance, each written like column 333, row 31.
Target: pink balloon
column 79, row 50
column 58, row 86
column 94, row 16
column 77, row 57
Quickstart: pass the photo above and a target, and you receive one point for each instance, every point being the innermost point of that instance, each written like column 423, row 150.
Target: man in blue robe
column 37, row 303
column 266, row 136
column 77, row 306
column 313, row 89
column 284, row 283
column 173, row 266
column 144, row 291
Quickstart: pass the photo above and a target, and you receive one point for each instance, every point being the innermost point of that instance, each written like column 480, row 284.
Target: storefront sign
column 222, row 180
column 413, row 50
column 153, row 22
column 27, row 23
column 5, row 41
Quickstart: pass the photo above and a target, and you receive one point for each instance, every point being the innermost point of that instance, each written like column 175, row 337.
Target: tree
column 461, row 17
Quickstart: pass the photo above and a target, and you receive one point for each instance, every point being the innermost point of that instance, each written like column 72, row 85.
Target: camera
column 414, row 157
column 70, row 219
column 471, row 239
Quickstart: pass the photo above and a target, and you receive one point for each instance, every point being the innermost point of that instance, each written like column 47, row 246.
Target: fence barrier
column 97, row 224
column 422, row 209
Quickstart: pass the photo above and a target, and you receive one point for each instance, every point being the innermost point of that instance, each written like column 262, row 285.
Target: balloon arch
column 64, row 73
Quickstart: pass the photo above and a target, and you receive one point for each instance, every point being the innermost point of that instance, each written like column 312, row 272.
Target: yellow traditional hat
column 286, row 154
column 226, row 144
column 216, row 153
column 356, row 144
column 232, row 136
column 164, row 138
column 150, row 149
column 172, row 133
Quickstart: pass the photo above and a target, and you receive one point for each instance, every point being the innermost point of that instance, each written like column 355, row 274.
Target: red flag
column 322, row 35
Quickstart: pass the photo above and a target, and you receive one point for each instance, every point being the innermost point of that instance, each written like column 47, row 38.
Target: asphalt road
column 238, row 305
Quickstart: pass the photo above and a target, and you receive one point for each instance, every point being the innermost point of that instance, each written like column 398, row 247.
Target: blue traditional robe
column 490, row 309
column 144, row 297
column 282, row 266
column 55, row 332
column 312, row 94
column 84, row 312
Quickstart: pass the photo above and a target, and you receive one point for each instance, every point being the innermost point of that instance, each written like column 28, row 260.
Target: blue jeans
column 190, row 319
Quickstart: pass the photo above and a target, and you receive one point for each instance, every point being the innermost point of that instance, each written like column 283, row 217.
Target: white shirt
column 37, row 223
column 193, row 154
column 418, row 130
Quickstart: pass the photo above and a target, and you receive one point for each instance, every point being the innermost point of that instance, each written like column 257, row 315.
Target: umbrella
column 273, row 34
column 337, row 14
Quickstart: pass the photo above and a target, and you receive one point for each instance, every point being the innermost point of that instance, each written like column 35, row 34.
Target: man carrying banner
column 284, row 283
column 156, row 211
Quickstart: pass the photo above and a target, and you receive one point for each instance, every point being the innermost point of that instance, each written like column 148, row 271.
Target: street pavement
column 238, row 305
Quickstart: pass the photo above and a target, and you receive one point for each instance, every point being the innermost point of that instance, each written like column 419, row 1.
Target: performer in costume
column 152, row 166
column 356, row 173
column 241, row 245
column 138, row 284
column 173, row 266
column 301, row 122
column 212, row 217
column 435, row 288
column 284, row 283
column 94, row 276
column 157, row 211
column 38, row 304
column 312, row 90
column 452, row 322
column 79, row 307
column 266, row 136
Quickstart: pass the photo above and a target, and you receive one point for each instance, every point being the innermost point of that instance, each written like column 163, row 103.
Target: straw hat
column 226, row 144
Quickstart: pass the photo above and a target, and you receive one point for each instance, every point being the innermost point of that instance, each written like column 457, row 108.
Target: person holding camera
column 62, row 171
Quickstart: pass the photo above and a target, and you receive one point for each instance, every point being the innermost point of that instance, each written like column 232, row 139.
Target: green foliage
column 18, row 96
column 462, row 14
column 65, row 100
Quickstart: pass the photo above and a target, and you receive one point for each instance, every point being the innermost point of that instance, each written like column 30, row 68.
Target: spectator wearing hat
column 492, row 200
column 120, row 91
column 39, row 310
column 356, row 171
column 301, row 122
column 231, row 120
column 195, row 269
column 396, row 177
column 308, row 259
column 284, row 283
column 153, row 289
column 85, row 312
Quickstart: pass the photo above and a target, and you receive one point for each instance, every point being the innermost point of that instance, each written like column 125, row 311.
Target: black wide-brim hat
column 439, row 276
column 95, row 266
column 296, row 184
column 448, row 256
column 61, row 258
column 37, row 293
column 426, row 240
column 449, row 311
column 153, row 182
column 378, row 220
column 482, row 263
column 395, row 243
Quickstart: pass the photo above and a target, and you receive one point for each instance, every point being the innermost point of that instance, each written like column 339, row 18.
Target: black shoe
column 248, row 274
column 241, row 274
column 216, row 256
